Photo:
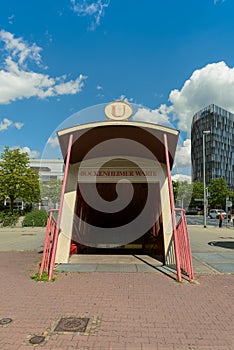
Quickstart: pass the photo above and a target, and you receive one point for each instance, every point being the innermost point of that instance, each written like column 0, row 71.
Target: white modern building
column 49, row 169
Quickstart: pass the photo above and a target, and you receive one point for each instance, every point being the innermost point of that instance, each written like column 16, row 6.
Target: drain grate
column 72, row 324
column 36, row 339
column 5, row 321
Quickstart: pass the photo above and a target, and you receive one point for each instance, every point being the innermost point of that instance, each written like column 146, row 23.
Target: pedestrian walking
column 220, row 219
column 229, row 219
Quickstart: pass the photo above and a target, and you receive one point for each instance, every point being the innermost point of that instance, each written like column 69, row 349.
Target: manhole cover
column 36, row 339
column 72, row 324
column 5, row 321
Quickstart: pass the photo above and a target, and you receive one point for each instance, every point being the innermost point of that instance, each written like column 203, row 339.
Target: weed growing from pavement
column 44, row 278
column 193, row 282
column 180, row 282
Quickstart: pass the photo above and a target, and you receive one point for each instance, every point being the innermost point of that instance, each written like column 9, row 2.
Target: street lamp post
column 204, row 133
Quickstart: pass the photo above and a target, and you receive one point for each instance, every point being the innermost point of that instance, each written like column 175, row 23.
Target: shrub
column 35, row 218
column 9, row 218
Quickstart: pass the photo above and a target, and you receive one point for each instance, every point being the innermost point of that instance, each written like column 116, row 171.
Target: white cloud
column 125, row 98
column 183, row 155
column 10, row 19
column 17, row 82
column 18, row 125
column 53, row 141
column 48, row 36
column 19, row 49
column 182, row 177
column 99, row 87
column 213, row 83
column 156, row 116
column 26, row 149
column 5, row 124
column 69, row 88
column 93, row 9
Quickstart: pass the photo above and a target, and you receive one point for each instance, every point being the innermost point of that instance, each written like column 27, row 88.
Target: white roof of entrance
column 87, row 136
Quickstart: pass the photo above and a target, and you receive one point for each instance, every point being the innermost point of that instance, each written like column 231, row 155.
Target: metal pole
column 205, row 132
column 204, row 178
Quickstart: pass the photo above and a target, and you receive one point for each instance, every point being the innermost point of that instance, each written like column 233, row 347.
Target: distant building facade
column 219, row 145
column 49, row 169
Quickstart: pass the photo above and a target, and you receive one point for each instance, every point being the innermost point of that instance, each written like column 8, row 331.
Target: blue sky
column 172, row 57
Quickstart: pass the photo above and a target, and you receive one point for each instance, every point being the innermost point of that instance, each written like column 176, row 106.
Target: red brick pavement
column 145, row 311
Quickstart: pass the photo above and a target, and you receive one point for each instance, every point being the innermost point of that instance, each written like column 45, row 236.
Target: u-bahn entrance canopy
column 117, row 189
column 151, row 136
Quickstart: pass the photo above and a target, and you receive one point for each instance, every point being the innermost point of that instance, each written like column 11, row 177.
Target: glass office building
column 219, row 144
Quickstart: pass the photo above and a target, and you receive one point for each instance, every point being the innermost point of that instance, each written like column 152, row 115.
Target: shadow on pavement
column 224, row 244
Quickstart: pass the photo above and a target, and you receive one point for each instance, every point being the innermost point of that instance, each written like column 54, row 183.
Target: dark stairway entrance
column 150, row 243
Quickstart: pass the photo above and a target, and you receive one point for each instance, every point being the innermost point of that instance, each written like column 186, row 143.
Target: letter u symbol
column 118, row 111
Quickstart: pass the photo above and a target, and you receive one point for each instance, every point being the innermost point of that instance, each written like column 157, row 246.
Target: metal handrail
column 184, row 248
column 48, row 243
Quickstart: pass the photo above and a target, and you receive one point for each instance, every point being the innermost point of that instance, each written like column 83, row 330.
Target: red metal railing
column 57, row 230
column 53, row 227
column 184, row 249
column 48, row 243
column 172, row 204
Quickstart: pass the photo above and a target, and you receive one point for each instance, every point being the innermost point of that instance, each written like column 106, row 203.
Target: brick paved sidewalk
column 136, row 310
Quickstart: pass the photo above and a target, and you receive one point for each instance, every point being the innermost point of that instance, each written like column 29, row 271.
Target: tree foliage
column 218, row 192
column 198, row 193
column 17, row 179
column 184, row 194
column 51, row 191
column 175, row 186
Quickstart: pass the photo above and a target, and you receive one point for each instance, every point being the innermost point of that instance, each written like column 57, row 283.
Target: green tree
column 197, row 194
column 17, row 179
column 175, row 186
column 51, row 191
column 184, row 193
column 218, row 192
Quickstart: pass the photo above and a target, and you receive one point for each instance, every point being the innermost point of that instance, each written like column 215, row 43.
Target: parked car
column 214, row 213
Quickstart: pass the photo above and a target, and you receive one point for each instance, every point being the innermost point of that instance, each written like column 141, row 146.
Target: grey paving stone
column 223, row 267
column 116, row 268
column 77, row 267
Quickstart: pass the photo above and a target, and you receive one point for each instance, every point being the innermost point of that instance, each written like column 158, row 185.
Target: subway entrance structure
column 117, row 193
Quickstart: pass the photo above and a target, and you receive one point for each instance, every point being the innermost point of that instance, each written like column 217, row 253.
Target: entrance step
column 110, row 263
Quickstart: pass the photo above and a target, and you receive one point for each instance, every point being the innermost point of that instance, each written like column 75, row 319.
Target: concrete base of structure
column 110, row 263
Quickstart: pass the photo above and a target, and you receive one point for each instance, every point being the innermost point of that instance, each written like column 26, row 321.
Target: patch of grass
column 44, row 278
